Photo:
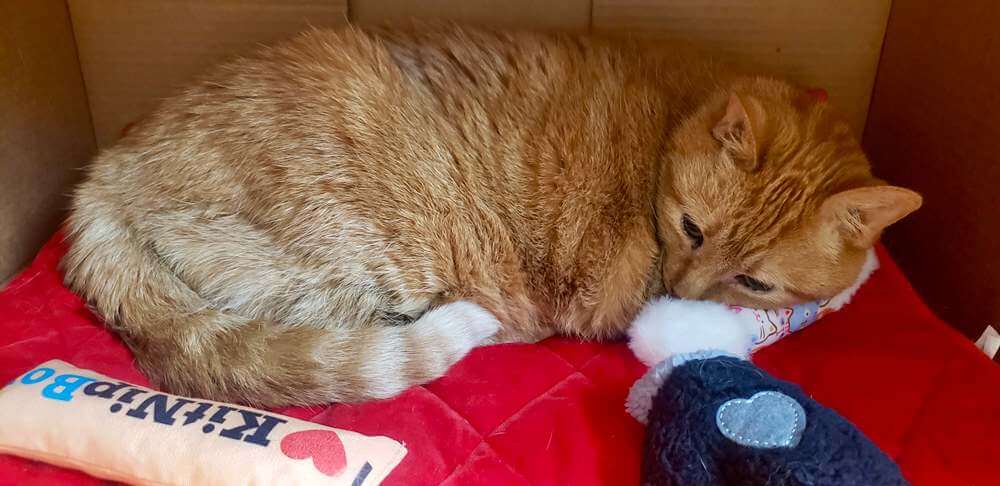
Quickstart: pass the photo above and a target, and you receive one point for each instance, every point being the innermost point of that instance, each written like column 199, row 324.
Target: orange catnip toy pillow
column 76, row 418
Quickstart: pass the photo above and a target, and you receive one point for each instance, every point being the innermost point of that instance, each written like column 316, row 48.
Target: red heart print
column 323, row 446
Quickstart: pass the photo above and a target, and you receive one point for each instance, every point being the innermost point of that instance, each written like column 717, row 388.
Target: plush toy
column 712, row 417
column 115, row 430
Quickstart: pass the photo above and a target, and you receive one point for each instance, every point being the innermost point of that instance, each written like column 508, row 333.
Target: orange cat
column 347, row 214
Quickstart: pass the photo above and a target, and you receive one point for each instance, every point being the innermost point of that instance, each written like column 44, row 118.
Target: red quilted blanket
column 552, row 413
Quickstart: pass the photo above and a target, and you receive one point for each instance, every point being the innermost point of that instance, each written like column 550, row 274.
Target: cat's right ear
column 735, row 133
column 859, row 215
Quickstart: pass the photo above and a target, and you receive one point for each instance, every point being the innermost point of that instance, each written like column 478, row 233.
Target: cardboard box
column 73, row 73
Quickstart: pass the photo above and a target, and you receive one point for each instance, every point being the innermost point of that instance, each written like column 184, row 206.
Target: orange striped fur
column 348, row 213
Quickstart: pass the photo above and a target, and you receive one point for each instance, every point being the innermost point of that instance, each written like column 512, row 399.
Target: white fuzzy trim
column 668, row 327
column 640, row 397
column 869, row 267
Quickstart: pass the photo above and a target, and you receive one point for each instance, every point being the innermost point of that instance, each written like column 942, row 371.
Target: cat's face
column 767, row 200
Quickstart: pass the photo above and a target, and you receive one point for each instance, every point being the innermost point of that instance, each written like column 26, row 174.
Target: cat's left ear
column 861, row 214
column 735, row 132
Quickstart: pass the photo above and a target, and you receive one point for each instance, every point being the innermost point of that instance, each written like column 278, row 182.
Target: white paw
column 441, row 336
column 463, row 323
column 667, row 327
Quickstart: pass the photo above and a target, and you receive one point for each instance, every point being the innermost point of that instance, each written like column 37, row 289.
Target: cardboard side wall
column 934, row 127
column 45, row 130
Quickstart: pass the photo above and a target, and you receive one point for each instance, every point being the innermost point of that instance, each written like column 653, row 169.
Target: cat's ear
column 735, row 132
column 861, row 214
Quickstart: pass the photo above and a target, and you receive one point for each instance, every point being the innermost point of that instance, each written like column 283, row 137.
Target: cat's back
column 333, row 101
column 423, row 161
column 426, row 118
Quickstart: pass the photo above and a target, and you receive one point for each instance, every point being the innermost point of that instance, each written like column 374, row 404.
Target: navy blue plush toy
column 714, row 418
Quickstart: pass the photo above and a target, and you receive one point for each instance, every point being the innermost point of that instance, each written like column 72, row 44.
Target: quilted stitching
column 552, row 413
column 498, row 430
column 479, row 467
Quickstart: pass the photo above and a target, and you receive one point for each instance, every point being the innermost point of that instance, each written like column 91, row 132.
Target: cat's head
column 767, row 200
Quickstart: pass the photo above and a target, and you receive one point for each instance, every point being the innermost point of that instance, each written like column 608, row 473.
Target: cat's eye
column 692, row 231
column 753, row 284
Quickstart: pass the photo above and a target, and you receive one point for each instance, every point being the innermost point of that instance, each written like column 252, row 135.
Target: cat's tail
column 189, row 348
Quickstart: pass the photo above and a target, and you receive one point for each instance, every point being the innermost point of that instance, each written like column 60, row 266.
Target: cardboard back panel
column 45, row 130
column 934, row 127
column 830, row 44
column 562, row 15
column 134, row 54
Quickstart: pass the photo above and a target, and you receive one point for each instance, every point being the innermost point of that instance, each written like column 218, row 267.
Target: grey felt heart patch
column 766, row 420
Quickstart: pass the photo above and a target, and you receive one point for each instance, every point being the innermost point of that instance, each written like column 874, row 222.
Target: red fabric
column 552, row 413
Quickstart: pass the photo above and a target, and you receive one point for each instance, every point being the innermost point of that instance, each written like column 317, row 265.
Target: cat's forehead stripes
column 800, row 170
column 764, row 214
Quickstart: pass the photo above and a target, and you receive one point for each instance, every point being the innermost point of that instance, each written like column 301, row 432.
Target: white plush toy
column 668, row 327
column 713, row 417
